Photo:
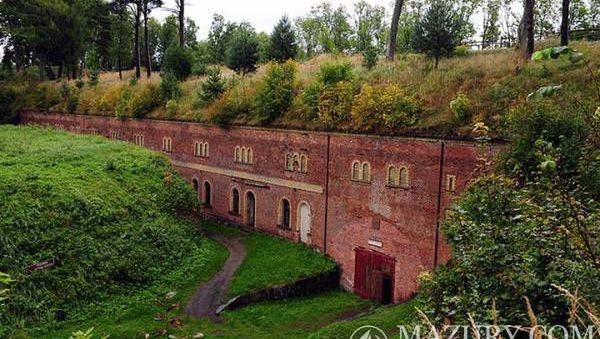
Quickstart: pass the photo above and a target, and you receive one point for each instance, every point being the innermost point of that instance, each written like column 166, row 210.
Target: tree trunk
column 42, row 66
column 391, row 52
column 527, row 40
column 138, row 71
column 60, row 69
column 181, row 23
column 564, row 26
column 147, row 46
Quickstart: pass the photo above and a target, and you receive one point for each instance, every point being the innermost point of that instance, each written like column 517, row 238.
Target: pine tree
column 242, row 52
column 283, row 41
column 438, row 32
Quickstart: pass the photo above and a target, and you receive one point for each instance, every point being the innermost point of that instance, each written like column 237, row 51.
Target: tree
column 308, row 32
column 135, row 7
column 438, row 32
column 391, row 53
column 242, row 52
column 180, row 5
column 564, row 25
column 147, row 7
column 283, row 41
column 178, row 61
column 218, row 37
column 526, row 31
column 369, row 27
column 491, row 29
column 120, row 32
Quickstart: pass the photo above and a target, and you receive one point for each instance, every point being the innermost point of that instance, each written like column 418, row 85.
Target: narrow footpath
column 210, row 295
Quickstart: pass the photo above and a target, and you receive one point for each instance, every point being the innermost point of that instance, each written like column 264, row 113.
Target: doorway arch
column 304, row 221
column 250, row 209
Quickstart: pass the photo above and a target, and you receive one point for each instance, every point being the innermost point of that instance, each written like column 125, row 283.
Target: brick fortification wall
column 339, row 213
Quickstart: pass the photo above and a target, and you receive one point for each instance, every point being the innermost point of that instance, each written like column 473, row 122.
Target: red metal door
column 372, row 273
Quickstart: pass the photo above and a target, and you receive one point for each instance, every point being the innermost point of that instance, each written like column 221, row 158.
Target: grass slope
column 104, row 210
column 294, row 318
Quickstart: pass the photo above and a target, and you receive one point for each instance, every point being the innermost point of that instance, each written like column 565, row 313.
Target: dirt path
column 210, row 295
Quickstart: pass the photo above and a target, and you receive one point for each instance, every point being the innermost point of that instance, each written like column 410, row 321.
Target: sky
column 262, row 14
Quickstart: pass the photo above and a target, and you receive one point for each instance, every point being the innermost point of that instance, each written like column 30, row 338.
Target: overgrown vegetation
column 534, row 223
column 101, row 213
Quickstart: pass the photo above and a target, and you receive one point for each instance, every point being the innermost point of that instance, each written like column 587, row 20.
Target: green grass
column 294, row 318
column 272, row 261
column 103, row 209
column 386, row 318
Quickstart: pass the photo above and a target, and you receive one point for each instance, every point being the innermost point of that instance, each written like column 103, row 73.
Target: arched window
column 284, row 214
column 235, row 201
column 237, row 156
column 195, row 184
column 207, row 199
column 392, row 176
column 205, row 154
column 366, row 172
column 404, row 179
column 356, row 170
column 244, row 155
column 289, row 162
column 250, row 158
column 296, row 162
column 303, row 163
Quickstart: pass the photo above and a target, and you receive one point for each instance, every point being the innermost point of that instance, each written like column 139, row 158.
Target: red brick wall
column 399, row 222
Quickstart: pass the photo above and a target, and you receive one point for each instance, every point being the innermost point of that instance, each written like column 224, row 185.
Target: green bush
column 199, row 69
column 122, row 108
column 133, row 81
column 8, row 103
column 144, row 101
column 370, row 57
column 171, row 108
column 461, row 108
column 310, row 97
column 387, row 106
column 47, row 97
column 461, row 51
column 169, row 87
column 332, row 73
column 276, row 91
column 72, row 103
column 335, row 103
column 178, row 61
column 211, row 89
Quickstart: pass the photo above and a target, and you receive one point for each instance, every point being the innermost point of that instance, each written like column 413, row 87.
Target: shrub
column 133, row 81
column 72, row 103
column 199, row 69
column 461, row 108
column 46, row 97
column 171, row 108
column 370, row 57
column 386, row 105
column 178, row 61
column 122, row 108
column 242, row 53
column 211, row 89
column 335, row 103
column 79, row 83
column 169, row 87
column 276, row 91
column 461, row 51
column 144, row 101
column 8, row 103
column 332, row 73
column 310, row 97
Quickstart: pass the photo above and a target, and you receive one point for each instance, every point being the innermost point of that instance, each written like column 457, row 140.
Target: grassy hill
column 103, row 210
column 337, row 93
